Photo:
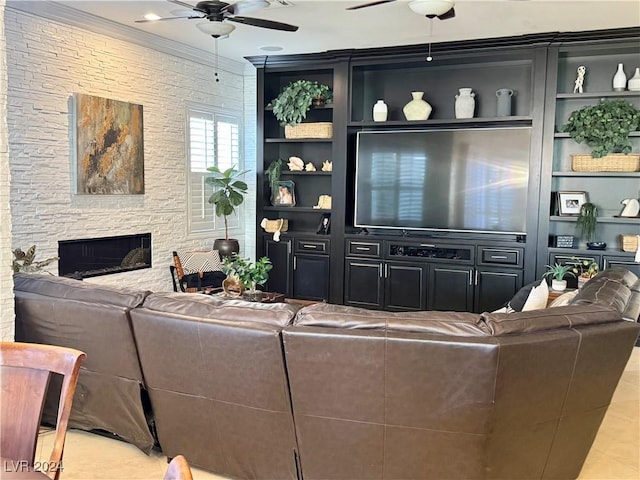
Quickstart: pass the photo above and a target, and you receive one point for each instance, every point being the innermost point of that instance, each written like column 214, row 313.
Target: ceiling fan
column 442, row 9
column 217, row 13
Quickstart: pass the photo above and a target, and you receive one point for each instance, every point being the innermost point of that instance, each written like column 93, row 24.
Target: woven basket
column 609, row 163
column 629, row 243
column 279, row 225
column 309, row 130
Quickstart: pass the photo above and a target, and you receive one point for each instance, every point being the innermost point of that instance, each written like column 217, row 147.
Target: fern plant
column 294, row 101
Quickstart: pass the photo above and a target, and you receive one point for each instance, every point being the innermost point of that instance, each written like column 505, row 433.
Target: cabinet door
column 364, row 285
column 280, row 275
column 623, row 262
column 451, row 288
column 405, row 287
column 311, row 277
column 495, row 287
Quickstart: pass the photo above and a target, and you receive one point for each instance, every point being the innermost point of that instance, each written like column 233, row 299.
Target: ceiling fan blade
column 448, row 14
column 182, row 4
column 259, row 22
column 370, row 4
column 166, row 18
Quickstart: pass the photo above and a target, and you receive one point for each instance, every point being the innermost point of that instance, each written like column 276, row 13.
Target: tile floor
column 615, row 454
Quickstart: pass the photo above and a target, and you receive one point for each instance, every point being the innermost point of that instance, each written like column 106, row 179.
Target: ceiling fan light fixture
column 431, row 8
column 215, row 29
column 152, row 17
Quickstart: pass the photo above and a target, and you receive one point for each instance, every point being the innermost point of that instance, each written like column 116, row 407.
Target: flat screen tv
column 462, row 180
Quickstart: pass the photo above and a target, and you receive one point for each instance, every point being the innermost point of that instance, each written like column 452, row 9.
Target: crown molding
column 58, row 12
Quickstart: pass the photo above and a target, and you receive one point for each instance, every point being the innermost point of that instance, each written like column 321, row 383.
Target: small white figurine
column 631, row 208
column 295, row 164
column 327, row 166
column 580, row 79
column 309, row 167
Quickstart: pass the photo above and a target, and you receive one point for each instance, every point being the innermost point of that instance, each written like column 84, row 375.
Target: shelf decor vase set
column 605, row 127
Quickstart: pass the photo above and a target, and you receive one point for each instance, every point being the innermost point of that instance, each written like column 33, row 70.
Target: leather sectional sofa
column 259, row 391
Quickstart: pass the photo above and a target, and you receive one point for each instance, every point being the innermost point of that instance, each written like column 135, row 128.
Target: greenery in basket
column 588, row 220
column 558, row 272
column 228, row 192
column 294, row 101
column 605, row 127
column 251, row 274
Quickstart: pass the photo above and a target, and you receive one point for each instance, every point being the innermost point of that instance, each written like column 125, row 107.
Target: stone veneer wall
column 49, row 61
column 6, row 283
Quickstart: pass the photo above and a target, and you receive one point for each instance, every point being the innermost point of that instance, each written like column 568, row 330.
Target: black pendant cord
column 215, row 49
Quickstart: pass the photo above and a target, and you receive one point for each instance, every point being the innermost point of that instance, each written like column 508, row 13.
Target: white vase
column 465, row 103
column 633, row 84
column 417, row 109
column 559, row 285
column 619, row 79
column 380, row 111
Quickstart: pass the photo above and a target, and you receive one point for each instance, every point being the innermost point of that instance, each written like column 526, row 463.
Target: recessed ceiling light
column 271, row 48
column 152, row 16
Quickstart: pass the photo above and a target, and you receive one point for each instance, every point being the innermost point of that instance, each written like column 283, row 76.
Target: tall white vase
column 380, row 111
column 465, row 103
column 634, row 82
column 417, row 109
column 619, row 79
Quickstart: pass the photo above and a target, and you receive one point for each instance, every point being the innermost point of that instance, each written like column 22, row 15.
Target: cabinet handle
column 363, row 249
column 470, row 278
column 308, row 245
column 386, row 270
column 380, row 270
column 427, row 245
column 499, row 257
column 476, row 281
column 295, row 263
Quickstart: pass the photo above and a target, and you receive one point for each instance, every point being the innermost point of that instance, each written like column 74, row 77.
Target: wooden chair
column 25, row 369
column 178, row 469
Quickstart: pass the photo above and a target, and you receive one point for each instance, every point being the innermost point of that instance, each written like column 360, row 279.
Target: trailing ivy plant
column 273, row 172
column 588, row 220
column 605, row 127
column 290, row 107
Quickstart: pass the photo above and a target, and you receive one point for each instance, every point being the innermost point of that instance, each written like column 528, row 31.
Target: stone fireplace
column 83, row 258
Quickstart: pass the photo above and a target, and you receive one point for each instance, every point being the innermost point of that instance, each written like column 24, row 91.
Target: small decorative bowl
column 596, row 245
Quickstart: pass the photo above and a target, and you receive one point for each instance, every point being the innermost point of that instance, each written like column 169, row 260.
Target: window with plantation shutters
column 213, row 138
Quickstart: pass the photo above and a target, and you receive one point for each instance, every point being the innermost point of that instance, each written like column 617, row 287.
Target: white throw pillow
column 564, row 299
column 538, row 298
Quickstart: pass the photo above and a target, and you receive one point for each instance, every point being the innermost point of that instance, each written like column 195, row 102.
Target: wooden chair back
column 25, row 369
column 178, row 469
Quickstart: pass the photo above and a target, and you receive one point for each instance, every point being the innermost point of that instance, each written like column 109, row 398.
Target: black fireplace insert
column 92, row 257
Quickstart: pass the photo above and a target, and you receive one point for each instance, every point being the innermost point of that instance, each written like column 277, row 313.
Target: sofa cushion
column 344, row 317
column 565, row 317
column 530, row 297
column 68, row 288
column 563, row 299
column 219, row 308
column 616, row 287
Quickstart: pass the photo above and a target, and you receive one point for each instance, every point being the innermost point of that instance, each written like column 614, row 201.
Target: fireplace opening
column 84, row 258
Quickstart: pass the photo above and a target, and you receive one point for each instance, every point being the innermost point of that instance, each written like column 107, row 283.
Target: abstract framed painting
column 109, row 146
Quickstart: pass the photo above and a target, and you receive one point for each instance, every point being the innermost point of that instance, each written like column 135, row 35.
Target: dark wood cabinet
column 494, row 287
column 311, row 277
column 405, row 286
column 280, row 275
column 451, row 288
column 364, row 283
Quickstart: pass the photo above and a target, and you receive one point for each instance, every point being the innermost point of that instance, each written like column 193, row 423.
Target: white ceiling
column 326, row 25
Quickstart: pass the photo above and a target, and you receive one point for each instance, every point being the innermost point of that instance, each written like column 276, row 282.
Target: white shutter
column 213, row 138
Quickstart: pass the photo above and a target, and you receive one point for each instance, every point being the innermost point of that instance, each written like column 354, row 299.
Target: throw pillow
column 199, row 261
column 530, row 297
column 564, row 299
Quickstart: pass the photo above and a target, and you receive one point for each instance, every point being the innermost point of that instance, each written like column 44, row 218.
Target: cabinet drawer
column 312, row 246
column 357, row 248
column 501, row 256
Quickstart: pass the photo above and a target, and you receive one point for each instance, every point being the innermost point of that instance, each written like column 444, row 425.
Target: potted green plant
column 228, row 194
column 605, row 126
column 26, row 261
column 557, row 273
column 290, row 107
column 587, row 222
column 584, row 269
column 273, row 172
column 249, row 274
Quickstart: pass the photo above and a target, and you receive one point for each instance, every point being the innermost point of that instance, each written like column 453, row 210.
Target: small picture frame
column 569, row 203
column 324, row 227
column 286, row 196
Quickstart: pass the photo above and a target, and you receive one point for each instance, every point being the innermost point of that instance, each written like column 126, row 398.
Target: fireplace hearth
column 84, row 258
